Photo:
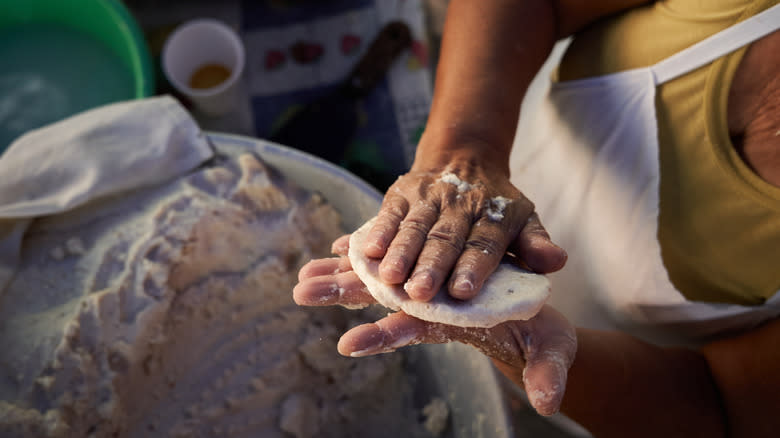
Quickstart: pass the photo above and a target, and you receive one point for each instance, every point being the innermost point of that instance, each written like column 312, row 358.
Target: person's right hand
column 453, row 225
column 535, row 354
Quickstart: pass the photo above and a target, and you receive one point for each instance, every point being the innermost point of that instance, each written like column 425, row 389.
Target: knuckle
column 522, row 210
column 525, row 203
column 426, row 208
column 447, row 236
column 484, row 244
column 395, row 202
column 414, row 225
column 393, row 212
column 535, row 229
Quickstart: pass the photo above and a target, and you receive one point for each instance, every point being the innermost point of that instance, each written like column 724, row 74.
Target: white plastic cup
column 199, row 42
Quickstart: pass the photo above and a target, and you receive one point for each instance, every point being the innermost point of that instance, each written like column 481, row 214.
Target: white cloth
column 590, row 163
column 98, row 153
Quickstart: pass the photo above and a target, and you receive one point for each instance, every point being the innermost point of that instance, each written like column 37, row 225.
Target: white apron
column 589, row 161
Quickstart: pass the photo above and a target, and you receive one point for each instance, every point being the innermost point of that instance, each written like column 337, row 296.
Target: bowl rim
column 141, row 63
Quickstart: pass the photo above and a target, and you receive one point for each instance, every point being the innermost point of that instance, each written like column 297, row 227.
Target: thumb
column 544, row 379
column 549, row 352
column 534, row 246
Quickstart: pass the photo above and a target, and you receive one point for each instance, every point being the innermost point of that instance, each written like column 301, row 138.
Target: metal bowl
column 459, row 374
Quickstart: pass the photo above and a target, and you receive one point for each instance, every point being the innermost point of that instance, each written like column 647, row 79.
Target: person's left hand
column 536, row 354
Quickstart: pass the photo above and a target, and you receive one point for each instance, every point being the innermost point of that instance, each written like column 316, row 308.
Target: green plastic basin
column 61, row 57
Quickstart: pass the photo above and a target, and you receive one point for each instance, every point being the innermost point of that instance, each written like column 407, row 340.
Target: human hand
column 536, row 354
column 461, row 222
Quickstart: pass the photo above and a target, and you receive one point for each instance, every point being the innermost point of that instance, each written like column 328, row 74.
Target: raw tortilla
column 510, row 293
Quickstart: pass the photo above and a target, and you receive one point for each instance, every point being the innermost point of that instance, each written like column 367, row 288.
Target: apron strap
column 715, row 46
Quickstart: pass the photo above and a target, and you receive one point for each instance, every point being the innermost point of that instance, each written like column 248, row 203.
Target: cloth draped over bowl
column 94, row 154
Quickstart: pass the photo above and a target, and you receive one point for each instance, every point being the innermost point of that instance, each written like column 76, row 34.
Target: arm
column 618, row 383
column 729, row 387
column 745, row 369
column 491, row 51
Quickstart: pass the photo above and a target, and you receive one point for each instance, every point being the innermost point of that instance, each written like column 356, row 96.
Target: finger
column 402, row 253
column 393, row 211
column 487, row 244
column 320, row 267
column 444, row 244
column 392, row 332
column 545, row 382
column 534, row 246
column 340, row 246
column 344, row 289
column 481, row 254
column 550, row 346
column 399, row 330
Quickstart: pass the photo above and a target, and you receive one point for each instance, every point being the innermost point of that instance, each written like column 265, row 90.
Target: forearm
column 491, row 50
column 618, row 383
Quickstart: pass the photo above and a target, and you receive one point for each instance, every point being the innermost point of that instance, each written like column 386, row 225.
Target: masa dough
column 169, row 313
column 510, row 293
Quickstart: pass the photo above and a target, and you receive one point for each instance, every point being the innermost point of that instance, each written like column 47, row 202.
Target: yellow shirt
column 719, row 223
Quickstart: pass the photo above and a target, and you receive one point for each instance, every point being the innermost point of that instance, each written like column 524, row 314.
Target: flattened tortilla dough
column 510, row 293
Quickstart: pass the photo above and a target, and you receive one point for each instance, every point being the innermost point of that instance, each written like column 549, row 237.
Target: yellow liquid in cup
column 209, row 75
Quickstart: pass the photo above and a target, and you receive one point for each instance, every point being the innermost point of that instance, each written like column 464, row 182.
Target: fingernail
column 370, row 351
column 421, row 282
column 462, row 287
column 463, row 283
column 376, row 344
column 543, row 401
column 396, row 263
column 375, row 244
column 365, row 342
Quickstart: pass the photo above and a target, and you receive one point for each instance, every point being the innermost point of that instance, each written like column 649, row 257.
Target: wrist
column 462, row 152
